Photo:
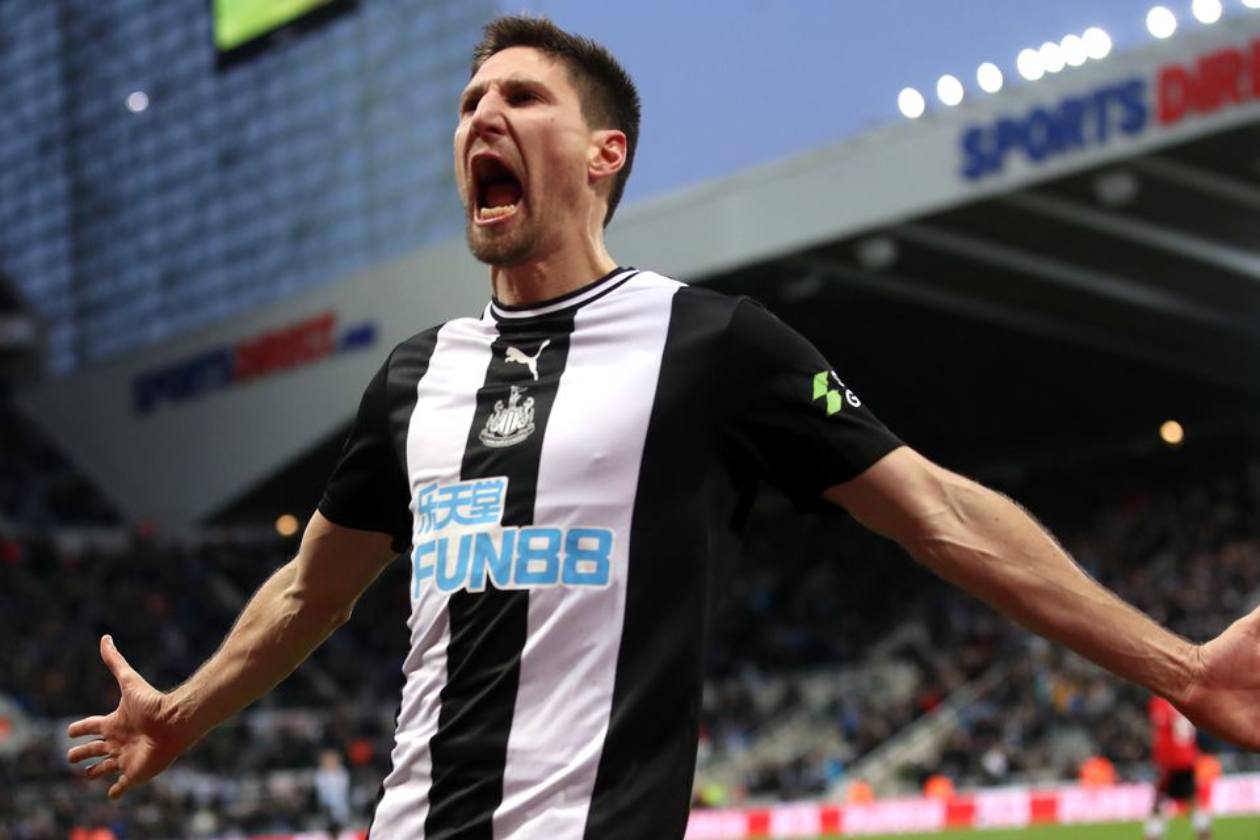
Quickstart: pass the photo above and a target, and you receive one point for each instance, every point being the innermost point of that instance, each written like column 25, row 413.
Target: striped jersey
column 564, row 478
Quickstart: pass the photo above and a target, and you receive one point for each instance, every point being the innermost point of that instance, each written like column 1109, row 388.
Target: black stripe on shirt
column 488, row 629
column 647, row 767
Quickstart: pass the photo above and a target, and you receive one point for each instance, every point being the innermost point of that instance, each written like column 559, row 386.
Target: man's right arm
column 287, row 618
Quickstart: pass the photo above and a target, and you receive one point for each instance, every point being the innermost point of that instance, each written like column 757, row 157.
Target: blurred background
column 1028, row 234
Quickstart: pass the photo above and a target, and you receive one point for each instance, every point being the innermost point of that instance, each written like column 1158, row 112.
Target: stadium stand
column 1183, row 550
column 828, row 643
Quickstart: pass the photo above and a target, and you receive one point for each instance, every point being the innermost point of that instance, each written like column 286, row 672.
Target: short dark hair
column 609, row 97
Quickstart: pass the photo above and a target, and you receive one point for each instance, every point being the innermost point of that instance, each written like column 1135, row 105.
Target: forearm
column 991, row 547
column 279, row 627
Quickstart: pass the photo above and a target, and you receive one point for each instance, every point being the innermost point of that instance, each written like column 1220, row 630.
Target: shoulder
column 694, row 305
column 419, row 347
column 424, row 338
column 740, row 323
column 699, row 295
column 408, row 360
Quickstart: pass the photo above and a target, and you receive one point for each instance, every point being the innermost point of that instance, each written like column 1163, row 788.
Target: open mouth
column 498, row 192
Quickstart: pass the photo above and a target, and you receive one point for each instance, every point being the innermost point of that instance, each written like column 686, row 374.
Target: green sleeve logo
column 835, row 398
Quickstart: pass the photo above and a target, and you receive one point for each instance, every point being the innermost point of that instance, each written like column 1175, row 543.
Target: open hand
column 1224, row 696
column 136, row 739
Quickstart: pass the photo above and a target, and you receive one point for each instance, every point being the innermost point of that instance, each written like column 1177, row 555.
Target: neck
column 552, row 275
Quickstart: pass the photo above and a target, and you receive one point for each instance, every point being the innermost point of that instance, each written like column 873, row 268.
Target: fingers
column 114, row 660
column 119, row 787
column 89, row 750
column 101, row 768
column 94, row 725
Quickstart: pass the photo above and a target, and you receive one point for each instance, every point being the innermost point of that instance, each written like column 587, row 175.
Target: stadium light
column 1116, row 187
column 949, row 90
column 137, row 101
column 875, row 253
column 1206, row 11
column 1251, row 4
column 1073, row 49
column 286, row 525
column 1171, row 433
column 989, row 76
column 1097, row 42
column 1051, row 57
column 911, row 103
column 1028, row 63
column 1161, row 22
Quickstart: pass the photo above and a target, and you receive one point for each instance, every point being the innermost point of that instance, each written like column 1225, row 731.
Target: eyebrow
column 516, row 81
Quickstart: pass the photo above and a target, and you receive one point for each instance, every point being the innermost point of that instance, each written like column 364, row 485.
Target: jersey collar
column 569, row 300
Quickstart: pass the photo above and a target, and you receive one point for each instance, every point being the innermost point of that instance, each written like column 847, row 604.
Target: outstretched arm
column 287, row 618
column 988, row 545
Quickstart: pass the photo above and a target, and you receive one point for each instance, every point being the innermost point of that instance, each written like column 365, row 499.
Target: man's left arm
column 983, row 542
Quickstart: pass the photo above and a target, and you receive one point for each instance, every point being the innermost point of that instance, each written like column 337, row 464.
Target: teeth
column 488, row 213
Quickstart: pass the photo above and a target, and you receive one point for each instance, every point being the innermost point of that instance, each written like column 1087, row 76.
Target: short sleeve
column 802, row 425
column 368, row 488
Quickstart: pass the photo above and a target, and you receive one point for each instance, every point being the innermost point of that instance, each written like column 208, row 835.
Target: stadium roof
column 1058, row 266
column 1088, row 307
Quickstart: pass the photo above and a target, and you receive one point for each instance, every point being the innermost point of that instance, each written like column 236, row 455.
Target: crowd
column 1177, row 536
column 168, row 603
column 1191, row 560
column 808, row 625
column 167, row 606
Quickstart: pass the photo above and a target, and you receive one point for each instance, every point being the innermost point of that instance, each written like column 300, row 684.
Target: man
column 1175, row 752
column 566, row 468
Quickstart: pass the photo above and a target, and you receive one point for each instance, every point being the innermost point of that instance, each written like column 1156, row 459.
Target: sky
column 728, row 85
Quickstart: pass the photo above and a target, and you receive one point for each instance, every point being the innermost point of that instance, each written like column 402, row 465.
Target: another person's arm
column 988, row 545
column 286, row 619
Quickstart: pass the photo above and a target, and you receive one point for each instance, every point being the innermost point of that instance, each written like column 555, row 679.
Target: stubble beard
column 506, row 248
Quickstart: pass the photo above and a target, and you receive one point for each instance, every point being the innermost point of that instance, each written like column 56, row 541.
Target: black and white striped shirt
column 564, row 477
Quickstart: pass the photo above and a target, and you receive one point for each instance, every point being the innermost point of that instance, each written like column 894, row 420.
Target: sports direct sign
column 290, row 346
column 1224, row 78
column 999, row 808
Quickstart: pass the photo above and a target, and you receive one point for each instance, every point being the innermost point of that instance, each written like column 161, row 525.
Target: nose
column 488, row 116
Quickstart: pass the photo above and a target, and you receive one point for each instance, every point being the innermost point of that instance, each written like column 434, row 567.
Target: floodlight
column 989, row 77
column 1028, row 62
column 911, row 103
column 1161, row 22
column 949, row 90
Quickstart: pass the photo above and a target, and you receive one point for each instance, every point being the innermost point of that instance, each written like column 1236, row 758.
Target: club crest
column 510, row 423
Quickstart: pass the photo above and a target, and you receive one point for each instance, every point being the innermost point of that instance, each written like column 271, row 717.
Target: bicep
column 335, row 564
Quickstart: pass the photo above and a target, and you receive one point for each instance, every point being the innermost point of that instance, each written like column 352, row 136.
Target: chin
column 501, row 251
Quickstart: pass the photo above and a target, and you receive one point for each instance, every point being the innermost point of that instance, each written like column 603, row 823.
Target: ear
column 607, row 154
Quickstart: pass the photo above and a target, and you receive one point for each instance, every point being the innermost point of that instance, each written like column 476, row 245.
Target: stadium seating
column 828, row 643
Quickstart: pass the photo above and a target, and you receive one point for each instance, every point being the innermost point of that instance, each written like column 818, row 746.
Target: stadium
column 218, row 218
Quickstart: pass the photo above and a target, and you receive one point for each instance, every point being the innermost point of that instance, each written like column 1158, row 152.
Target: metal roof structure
column 1089, row 307
column 1042, row 273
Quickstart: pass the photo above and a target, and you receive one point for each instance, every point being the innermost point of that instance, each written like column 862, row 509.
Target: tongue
column 502, row 194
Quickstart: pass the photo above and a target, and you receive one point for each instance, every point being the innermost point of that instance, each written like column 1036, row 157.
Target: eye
column 522, row 97
column 469, row 104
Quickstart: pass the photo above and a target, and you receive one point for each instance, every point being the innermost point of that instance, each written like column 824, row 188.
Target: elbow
column 957, row 537
column 317, row 609
column 331, row 615
column 947, row 516
column 341, row 617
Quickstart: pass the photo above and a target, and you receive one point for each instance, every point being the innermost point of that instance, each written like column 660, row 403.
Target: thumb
column 118, row 666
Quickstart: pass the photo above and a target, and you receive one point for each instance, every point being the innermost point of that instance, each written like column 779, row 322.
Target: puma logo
column 521, row 358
